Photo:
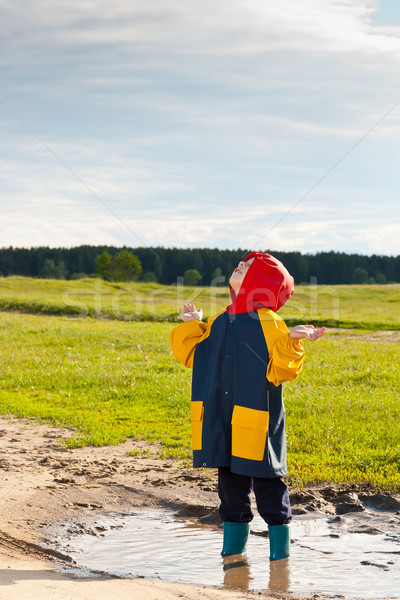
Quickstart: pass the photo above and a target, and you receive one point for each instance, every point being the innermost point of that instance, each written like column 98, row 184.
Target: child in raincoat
column 240, row 358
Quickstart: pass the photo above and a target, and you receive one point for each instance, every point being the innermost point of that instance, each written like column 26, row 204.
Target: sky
column 223, row 123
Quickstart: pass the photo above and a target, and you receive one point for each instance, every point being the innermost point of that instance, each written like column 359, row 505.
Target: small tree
column 52, row 271
column 191, row 277
column 125, row 266
column 103, row 265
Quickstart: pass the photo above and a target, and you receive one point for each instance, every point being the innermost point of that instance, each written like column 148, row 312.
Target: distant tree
column 151, row 260
column 78, row 275
column 360, row 275
column 149, row 277
column 103, row 265
column 52, row 271
column 191, row 277
column 48, row 269
column 371, row 280
column 61, row 270
column 381, row 278
column 123, row 266
column 169, row 263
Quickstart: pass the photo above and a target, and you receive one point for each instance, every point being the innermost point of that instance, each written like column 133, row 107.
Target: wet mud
column 351, row 555
column 96, row 492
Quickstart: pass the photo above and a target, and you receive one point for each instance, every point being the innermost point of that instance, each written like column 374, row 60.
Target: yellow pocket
column 249, row 432
column 196, row 414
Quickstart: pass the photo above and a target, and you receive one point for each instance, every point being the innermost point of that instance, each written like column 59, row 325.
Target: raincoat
column 240, row 358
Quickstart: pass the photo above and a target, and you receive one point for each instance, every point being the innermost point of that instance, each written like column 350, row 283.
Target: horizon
column 269, row 250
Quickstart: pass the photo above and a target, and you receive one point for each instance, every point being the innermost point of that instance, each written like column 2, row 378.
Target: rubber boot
column 235, row 538
column 279, row 541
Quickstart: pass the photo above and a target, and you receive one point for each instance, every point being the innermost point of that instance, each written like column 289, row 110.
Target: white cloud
column 86, row 168
column 60, row 222
column 68, row 223
column 228, row 26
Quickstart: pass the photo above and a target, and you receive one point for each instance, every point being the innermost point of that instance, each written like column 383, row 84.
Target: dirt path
column 42, row 482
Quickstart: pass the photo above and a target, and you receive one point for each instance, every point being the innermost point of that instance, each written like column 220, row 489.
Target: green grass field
column 114, row 377
column 371, row 307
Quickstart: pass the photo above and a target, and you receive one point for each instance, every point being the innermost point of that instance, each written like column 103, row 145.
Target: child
column 240, row 358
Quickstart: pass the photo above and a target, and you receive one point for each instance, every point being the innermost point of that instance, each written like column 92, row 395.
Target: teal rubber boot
column 235, row 538
column 279, row 541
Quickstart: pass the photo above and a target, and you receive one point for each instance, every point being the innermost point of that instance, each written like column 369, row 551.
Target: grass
column 110, row 379
column 343, row 413
column 89, row 297
column 368, row 307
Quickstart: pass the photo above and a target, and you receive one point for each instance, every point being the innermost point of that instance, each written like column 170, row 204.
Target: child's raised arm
column 185, row 337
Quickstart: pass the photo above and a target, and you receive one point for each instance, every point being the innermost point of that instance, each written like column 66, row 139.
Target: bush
column 149, row 277
column 360, row 275
column 191, row 277
column 381, row 278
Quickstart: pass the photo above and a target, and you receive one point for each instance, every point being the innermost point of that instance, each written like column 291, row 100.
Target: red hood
column 267, row 283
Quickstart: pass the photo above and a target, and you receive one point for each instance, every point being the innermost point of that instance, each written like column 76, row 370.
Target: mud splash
column 353, row 556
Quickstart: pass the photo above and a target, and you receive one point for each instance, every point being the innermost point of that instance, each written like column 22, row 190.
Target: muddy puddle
column 353, row 556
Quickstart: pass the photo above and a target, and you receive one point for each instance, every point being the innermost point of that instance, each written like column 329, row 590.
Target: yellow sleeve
column 184, row 339
column 286, row 354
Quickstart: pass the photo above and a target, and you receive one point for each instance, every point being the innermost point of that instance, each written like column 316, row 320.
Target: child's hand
column 189, row 313
column 307, row 332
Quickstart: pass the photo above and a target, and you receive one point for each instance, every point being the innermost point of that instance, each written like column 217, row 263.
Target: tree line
column 197, row 265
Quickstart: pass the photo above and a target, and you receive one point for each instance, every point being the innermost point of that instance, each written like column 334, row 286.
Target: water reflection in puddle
column 328, row 556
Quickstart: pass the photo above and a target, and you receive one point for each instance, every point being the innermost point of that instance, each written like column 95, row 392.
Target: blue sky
column 224, row 123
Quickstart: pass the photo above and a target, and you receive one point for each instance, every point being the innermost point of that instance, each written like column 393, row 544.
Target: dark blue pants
column 272, row 498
